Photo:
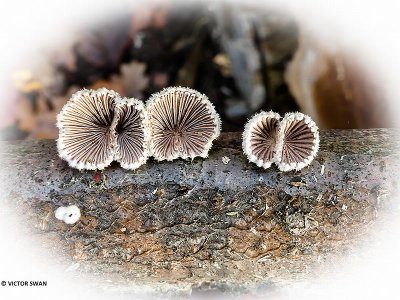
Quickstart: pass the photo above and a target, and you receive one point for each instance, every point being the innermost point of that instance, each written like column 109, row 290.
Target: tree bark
column 183, row 225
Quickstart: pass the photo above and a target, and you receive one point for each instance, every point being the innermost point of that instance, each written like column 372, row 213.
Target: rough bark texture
column 183, row 225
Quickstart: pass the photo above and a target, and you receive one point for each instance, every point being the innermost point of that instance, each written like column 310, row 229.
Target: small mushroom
column 298, row 142
column 85, row 137
column 183, row 123
column 130, row 127
column 69, row 214
column 260, row 138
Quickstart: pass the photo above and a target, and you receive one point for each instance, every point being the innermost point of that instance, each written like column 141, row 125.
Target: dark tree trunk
column 203, row 223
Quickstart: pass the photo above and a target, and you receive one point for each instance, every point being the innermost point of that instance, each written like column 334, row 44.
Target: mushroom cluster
column 291, row 143
column 97, row 127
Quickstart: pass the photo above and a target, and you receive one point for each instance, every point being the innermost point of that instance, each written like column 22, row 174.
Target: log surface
column 184, row 225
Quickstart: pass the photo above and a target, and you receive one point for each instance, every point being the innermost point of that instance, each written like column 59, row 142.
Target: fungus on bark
column 130, row 127
column 183, row 123
column 86, row 139
column 69, row 214
column 298, row 142
column 260, row 138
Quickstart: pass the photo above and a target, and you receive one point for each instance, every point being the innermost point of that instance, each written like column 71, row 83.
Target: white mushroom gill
column 131, row 128
column 260, row 138
column 86, row 139
column 298, row 142
column 183, row 124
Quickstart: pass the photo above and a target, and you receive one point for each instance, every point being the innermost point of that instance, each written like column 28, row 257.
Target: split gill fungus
column 98, row 126
column 182, row 122
column 260, row 138
column 130, row 128
column 86, row 139
column 298, row 142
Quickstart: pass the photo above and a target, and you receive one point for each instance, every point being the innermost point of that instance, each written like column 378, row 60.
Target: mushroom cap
column 183, row 123
column 130, row 127
column 298, row 142
column 260, row 138
column 85, row 137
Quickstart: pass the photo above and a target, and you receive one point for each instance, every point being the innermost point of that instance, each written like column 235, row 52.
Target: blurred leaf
column 104, row 47
column 115, row 84
column 133, row 79
column 38, row 117
column 334, row 89
column 160, row 79
column 223, row 61
column 150, row 16
column 25, row 82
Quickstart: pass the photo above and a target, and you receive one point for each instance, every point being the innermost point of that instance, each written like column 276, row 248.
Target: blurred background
column 243, row 58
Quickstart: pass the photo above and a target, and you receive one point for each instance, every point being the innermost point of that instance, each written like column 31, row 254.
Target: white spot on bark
column 225, row 160
column 70, row 214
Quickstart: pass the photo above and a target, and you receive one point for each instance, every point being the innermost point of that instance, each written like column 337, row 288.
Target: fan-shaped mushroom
column 259, row 138
column 86, row 139
column 182, row 122
column 130, row 127
column 298, row 142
